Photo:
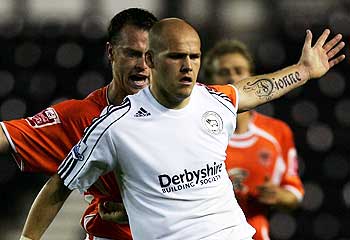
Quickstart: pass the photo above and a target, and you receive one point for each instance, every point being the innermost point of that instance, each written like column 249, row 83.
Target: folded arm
column 315, row 61
column 45, row 207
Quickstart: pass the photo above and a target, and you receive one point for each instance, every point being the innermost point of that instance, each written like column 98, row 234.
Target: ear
column 109, row 51
column 149, row 59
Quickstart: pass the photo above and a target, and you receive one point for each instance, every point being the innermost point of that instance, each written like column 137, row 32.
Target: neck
column 243, row 120
column 115, row 96
column 168, row 101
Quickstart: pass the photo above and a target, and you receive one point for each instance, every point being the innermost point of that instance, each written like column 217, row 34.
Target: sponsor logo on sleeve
column 78, row 151
column 44, row 118
column 212, row 122
column 190, row 178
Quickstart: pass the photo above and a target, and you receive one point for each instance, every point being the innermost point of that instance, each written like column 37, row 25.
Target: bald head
column 169, row 30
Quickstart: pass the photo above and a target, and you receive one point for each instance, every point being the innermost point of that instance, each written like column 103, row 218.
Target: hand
column 268, row 193
column 317, row 60
column 113, row 212
column 277, row 196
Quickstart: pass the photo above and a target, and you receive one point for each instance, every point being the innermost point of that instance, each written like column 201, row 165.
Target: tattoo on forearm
column 266, row 87
column 286, row 81
column 262, row 87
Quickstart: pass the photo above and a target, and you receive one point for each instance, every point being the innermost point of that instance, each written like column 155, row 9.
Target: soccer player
column 41, row 142
column 261, row 158
column 167, row 143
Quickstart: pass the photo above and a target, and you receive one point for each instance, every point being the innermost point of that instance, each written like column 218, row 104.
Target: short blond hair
column 221, row 48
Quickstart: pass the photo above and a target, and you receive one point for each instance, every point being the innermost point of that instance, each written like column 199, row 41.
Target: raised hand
column 317, row 60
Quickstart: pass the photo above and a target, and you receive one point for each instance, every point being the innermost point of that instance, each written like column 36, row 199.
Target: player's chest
column 169, row 144
column 259, row 154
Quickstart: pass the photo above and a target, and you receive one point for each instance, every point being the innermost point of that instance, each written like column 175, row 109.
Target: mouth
column 186, row 80
column 139, row 81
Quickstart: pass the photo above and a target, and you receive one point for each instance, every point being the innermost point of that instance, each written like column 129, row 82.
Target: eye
column 176, row 55
column 241, row 70
column 132, row 53
column 195, row 56
column 224, row 72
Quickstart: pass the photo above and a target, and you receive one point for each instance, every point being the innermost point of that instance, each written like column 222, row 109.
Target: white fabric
column 24, row 238
column 173, row 178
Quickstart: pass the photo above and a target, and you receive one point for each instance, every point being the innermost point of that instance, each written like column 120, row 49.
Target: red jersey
column 40, row 143
column 266, row 151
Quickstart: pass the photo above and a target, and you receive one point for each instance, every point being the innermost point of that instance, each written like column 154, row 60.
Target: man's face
column 127, row 57
column 176, row 66
column 230, row 68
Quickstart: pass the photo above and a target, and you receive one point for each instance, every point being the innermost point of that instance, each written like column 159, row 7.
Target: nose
column 233, row 77
column 141, row 63
column 186, row 65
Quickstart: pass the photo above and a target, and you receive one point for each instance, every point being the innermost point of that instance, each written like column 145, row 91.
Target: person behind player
column 167, row 143
column 40, row 143
column 261, row 157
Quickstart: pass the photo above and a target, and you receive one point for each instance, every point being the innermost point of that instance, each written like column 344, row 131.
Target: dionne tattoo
column 265, row 87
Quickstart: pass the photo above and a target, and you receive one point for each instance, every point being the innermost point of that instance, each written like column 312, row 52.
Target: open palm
column 317, row 60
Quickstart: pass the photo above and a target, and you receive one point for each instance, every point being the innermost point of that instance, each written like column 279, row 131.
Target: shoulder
column 114, row 113
column 92, row 105
column 77, row 108
column 224, row 93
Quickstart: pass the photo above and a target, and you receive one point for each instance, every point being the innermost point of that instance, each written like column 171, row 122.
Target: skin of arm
column 45, row 207
column 277, row 196
column 4, row 144
column 314, row 63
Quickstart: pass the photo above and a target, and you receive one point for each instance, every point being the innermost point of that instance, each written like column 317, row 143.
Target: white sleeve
column 94, row 155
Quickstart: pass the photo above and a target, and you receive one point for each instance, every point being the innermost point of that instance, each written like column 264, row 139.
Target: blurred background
column 55, row 50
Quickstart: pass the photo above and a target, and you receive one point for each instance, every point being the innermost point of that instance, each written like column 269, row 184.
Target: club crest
column 212, row 122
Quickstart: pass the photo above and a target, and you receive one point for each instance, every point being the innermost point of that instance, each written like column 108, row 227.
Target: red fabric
column 42, row 142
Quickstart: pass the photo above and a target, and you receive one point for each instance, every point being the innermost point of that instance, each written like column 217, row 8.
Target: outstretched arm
column 315, row 61
column 45, row 207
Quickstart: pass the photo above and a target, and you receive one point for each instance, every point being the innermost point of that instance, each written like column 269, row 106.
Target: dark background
column 55, row 50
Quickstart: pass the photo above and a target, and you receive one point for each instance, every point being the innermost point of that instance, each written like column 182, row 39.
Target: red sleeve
column 228, row 90
column 41, row 142
column 291, row 180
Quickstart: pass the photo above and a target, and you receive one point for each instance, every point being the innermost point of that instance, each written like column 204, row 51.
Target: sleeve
column 229, row 90
column 94, row 155
column 41, row 142
column 291, row 180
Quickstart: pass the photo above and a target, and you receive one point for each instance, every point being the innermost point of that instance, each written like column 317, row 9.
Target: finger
column 322, row 39
column 113, row 206
column 335, row 50
column 331, row 43
column 101, row 211
column 308, row 39
column 336, row 60
column 100, row 207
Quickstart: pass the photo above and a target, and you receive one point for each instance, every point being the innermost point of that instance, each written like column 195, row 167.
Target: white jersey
column 170, row 164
